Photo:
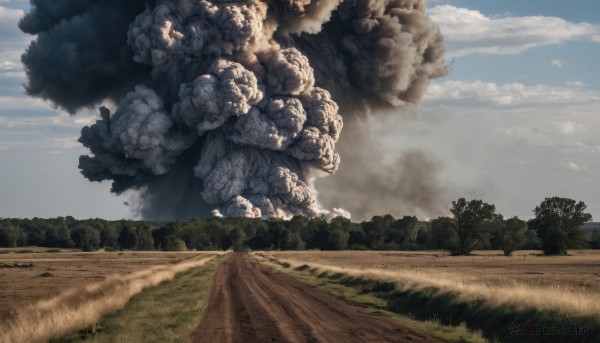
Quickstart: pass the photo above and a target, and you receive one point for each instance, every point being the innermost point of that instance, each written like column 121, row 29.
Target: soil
column 252, row 303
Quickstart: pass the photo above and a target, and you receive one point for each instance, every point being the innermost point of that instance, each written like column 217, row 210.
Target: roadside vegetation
column 169, row 312
column 450, row 332
column 77, row 307
column 452, row 298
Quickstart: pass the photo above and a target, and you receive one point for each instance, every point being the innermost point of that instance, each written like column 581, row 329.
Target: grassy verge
column 487, row 312
column 379, row 306
column 168, row 312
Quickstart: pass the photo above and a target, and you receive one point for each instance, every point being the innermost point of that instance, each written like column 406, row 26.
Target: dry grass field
column 49, row 295
column 486, row 290
column 579, row 272
column 28, row 277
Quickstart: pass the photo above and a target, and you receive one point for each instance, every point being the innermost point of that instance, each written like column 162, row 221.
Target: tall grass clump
column 77, row 307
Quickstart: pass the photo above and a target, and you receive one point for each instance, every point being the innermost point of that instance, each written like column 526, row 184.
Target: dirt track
column 252, row 303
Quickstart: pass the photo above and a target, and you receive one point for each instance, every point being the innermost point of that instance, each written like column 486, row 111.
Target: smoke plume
column 234, row 105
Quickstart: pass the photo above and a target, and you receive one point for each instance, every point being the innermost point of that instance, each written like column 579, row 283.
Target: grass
column 168, row 312
column 29, row 250
column 490, row 307
column 76, row 307
column 357, row 295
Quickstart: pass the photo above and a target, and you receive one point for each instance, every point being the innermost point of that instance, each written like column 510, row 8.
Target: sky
column 515, row 121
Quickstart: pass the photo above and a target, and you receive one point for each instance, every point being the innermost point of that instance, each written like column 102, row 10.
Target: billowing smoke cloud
column 234, row 105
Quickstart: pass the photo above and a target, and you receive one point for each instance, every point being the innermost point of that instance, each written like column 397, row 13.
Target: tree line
column 474, row 225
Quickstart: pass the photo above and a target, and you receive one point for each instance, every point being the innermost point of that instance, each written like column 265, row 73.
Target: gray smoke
column 375, row 180
column 235, row 105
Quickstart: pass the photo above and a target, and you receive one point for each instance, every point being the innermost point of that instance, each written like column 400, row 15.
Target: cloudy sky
column 516, row 121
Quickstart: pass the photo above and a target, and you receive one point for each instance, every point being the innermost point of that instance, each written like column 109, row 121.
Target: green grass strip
column 168, row 312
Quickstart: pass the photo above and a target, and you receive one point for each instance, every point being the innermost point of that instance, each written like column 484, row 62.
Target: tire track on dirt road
column 252, row 303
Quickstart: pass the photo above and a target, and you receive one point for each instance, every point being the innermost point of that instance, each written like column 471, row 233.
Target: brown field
column 569, row 285
column 580, row 271
column 28, row 277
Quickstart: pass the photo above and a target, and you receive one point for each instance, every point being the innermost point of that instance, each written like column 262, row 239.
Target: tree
column 532, row 241
column 108, row 236
column 9, row 235
column 509, row 235
column 237, row 238
column 470, row 218
column 377, row 230
column 173, row 243
column 86, row 238
column 595, row 239
column 162, row 234
column 334, row 235
column 58, row 234
column 440, row 233
column 404, row 232
column 136, row 236
column 557, row 221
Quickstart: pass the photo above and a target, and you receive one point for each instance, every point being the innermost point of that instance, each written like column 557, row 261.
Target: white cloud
column 14, row 43
column 509, row 95
column 53, row 145
column 558, row 63
column 468, row 31
column 576, row 84
column 568, row 127
column 573, row 166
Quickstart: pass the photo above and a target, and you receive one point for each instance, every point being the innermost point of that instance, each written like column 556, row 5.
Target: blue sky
column 516, row 121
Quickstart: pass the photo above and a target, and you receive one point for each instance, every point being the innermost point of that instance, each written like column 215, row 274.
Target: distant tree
column 237, row 238
column 162, row 234
column 331, row 239
column 294, row 242
column 595, row 239
column 378, row 230
column 440, row 233
column 357, row 239
column 173, row 243
column 261, row 239
column 9, row 235
column 509, row 235
column 470, row 218
column 143, row 237
column 404, row 232
column 334, row 235
column 557, row 221
column 108, row 236
column 136, row 236
column 298, row 224
column 278, row 234
column 531, row 240
column 58, row 234
column 86, row 238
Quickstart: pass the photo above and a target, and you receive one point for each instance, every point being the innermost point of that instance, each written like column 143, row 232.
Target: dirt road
column 252, row 303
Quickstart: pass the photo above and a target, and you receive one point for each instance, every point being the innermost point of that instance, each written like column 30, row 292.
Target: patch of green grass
column 379, row 306
column 168, row 312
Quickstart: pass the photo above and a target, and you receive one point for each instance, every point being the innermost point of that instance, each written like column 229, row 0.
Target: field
column 487, row 290
column 46, row 294
column 579, row 272
column 27, row 277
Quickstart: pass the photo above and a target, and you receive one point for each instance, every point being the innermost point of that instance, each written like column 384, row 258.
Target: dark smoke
column 230, row 104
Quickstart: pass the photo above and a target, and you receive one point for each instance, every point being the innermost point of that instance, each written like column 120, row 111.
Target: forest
column 475, row 225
